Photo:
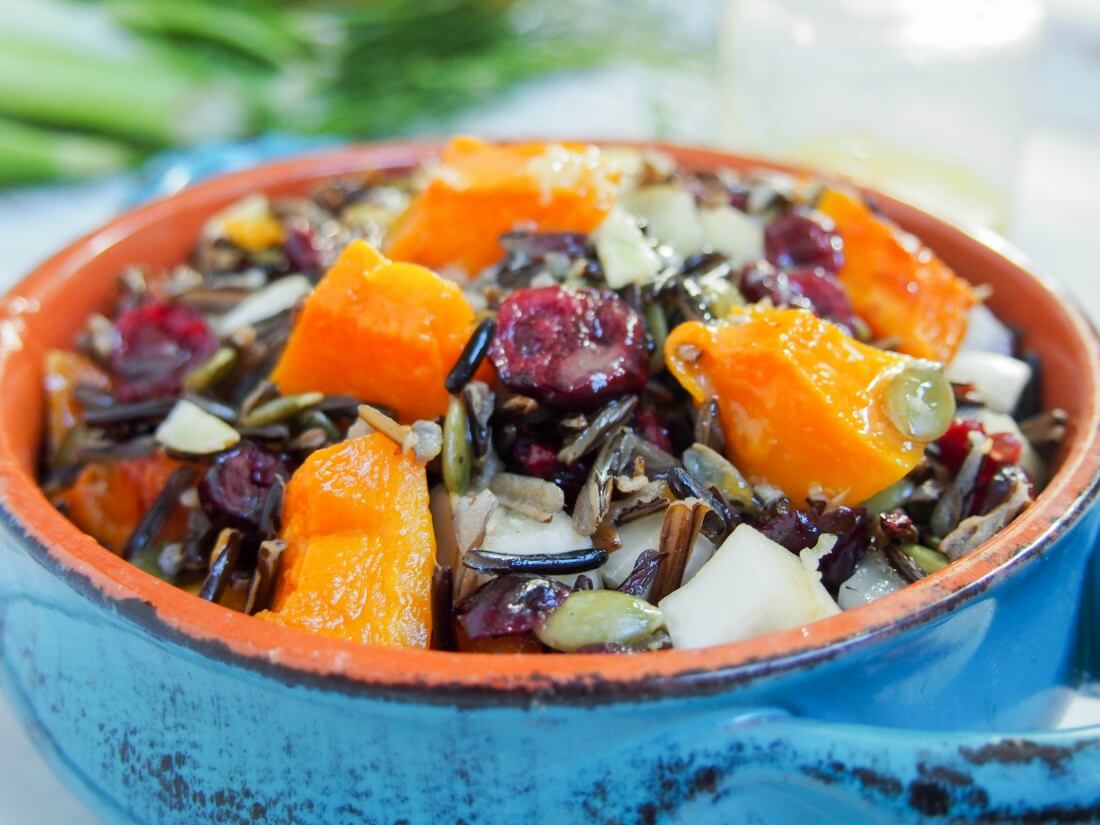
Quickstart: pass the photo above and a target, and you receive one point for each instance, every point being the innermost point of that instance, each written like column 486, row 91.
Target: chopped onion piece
column 999, row 378
column 269, row 301
column 624, row 252
column 644, row 534
column 670, row 215
column 750, row 587
column 874, row 578
column 984, row 333
column 733, row 233
column 190, row 429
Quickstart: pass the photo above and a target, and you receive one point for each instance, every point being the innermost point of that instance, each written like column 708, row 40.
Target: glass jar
column 928, row 99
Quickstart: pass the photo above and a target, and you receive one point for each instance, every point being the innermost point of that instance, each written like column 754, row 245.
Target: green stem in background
column 138, row 98
column 260, row 33
column 29, row 154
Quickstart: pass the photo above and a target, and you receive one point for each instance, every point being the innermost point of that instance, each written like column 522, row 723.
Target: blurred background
column 986, row 111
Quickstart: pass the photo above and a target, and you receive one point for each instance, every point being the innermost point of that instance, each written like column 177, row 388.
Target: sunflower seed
column 378, row 420
column 533, row 497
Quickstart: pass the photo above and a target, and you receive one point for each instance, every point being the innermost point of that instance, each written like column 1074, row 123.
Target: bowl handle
column 865, row 774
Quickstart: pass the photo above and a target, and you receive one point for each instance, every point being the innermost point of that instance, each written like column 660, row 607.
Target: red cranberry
column 540, row 459
column 570, row 349
column 234, row 488
column 798, row 239
column 652, row 428
column 814, row 289
column 509, row 605
column 157, row 344
column 300, row 251
column 954, row 445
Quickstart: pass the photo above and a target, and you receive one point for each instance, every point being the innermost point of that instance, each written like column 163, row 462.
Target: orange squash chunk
column 483, row 190
column 63, row 371
column 901, row 292
column 108, row 498
column 360, row 547
column 381, row 331
column 800, row 401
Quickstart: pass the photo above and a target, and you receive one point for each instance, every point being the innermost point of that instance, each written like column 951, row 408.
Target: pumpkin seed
column 457, row 455
column 533, row 497
column 211, row 371
column 281, row 409
column 596, row 617
column 317, row 420
column 890, row 498
column 657, row 324
column 191, row 430
column 711, row 468
column 919, row 400
column 926, row 558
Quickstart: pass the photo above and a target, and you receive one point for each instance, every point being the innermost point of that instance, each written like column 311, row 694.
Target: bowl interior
column 47, row 309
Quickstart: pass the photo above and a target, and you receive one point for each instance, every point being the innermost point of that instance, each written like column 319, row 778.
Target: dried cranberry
column 157, row 344
column 234, row 488
column 796, row 530
column 814, row 289
column 540, row 459
column 954, row 445
column 300, row 251
column 1004, row 453
column 569, row 349
column 798, row 239
column 509, row 605
column 650, row 427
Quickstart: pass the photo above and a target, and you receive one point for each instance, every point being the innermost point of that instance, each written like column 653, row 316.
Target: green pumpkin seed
column 926, row 558
column 457, row 456
column 315, row 419
column 280, row 409
column 658, row 329
column 890, row 498
column 919, row 400
column 210, row 371
column 712, row 468
column 594, row 617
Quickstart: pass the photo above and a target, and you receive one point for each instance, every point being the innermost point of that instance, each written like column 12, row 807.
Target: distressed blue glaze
column 151, row 730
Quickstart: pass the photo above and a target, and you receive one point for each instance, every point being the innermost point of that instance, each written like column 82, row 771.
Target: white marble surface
column 1057, row 223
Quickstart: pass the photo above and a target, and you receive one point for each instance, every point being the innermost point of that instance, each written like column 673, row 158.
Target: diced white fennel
column 625, row 254
column 270, row 301
column 643, row 534
column 873, row 578
column 670, row 215
column 984, row 333
column 998, row 378
column 733, row 233
column 750, row 587
column 995, row 422
column 191, row 429
column 517, row 535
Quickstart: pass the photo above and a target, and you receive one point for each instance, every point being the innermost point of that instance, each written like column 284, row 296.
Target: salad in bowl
column 547, row 398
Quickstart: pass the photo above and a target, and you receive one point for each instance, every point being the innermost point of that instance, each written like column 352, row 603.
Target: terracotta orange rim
column 417, row 675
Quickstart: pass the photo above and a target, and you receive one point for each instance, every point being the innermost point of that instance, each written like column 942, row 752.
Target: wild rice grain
column 471, row 357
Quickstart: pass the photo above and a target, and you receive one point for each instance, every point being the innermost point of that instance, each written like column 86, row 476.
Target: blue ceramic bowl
column 157, row 707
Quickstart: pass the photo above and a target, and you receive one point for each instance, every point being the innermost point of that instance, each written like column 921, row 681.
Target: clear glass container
column 928, row 99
